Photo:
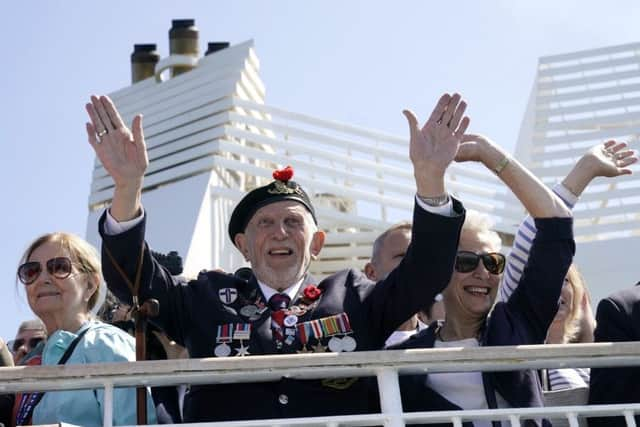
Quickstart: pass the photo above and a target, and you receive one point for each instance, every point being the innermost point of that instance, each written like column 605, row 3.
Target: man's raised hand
column 122, row 153
column 434, row 146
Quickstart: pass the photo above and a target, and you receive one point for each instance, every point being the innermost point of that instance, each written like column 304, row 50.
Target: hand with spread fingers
column 123, row 154
column 434, row 146
column 610, row 160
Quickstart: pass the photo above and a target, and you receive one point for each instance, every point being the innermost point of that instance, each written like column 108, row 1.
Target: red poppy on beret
column 283, row 174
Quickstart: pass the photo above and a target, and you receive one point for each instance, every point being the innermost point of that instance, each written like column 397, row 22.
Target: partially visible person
column 617, row 319
column 62, row 276
column 565, row 328
column 472, row 319
column 388, row 250
column 114, row 311
column 30, row 334
column 6, row 400
column 6, row 358
column 574, row 320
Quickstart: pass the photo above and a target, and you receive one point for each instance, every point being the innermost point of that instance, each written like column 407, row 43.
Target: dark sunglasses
column 467, row 261
column 32, row 343
column 59, row 267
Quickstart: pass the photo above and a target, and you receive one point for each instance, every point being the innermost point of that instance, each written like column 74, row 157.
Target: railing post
column 629, row 418
column 573, row 419
column 515, row 420
column 107, row 419
column 390, row 401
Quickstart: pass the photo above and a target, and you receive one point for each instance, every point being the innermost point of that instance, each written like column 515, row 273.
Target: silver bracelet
column 436, row 201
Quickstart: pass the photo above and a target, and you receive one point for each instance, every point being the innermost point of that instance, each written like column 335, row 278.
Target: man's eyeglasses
column 467, row 261
column 59, row 267
column 31, row 343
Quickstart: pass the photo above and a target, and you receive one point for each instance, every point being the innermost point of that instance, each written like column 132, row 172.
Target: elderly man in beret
column 280, row 309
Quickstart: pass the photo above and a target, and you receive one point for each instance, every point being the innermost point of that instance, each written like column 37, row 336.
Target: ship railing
column 384, row 365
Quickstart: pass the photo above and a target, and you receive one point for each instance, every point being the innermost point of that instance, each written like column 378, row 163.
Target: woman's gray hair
column 482, row 225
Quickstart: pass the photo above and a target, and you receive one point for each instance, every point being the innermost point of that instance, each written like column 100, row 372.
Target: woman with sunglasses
column 472, row 319
column 63, row 281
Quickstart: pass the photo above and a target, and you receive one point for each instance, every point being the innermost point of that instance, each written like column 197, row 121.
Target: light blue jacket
column 101, row 344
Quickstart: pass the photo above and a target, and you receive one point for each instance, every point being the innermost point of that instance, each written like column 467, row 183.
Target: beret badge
column 282, row 183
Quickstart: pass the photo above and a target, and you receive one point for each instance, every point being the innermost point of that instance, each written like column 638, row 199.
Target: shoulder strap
column 67, row 354
column 30, row 401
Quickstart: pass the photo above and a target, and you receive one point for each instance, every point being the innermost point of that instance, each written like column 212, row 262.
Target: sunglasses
column 467, row 261
column 31, row 343
column 59, row 267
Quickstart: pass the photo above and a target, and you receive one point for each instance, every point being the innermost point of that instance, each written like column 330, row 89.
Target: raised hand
column 122, row 153
column 434, row 147
column 610, row 159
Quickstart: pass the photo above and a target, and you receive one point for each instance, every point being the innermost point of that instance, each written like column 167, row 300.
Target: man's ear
column 317, row 242
column 370, row 272
column 241, row 243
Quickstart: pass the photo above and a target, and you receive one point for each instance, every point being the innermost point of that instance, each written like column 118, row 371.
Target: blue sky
column 359, row 62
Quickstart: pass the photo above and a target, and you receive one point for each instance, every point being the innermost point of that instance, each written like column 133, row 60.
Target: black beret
column 279, row 190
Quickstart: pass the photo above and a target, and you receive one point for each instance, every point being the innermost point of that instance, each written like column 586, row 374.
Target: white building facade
column 211, row 137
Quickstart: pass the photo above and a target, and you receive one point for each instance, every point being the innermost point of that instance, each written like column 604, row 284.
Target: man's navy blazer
column 617, row 319
column 190, row 313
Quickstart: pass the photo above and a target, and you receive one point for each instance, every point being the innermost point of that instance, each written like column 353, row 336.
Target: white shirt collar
column 292, row 290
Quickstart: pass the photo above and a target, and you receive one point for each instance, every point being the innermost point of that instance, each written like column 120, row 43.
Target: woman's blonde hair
column 82, row 254
column 573, row 320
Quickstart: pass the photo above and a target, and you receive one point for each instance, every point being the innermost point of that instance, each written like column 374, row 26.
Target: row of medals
column 254, row 311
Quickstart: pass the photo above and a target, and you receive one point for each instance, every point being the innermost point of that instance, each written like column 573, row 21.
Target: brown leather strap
column 140, row 322
column 135, row 286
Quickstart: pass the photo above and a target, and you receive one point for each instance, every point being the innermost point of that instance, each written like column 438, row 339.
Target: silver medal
column 222, row 350
column 248, row 310
column 348, row 344
column 335, row 344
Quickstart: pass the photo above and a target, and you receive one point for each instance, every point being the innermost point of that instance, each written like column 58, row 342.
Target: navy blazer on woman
column 190, row 313
column 523, row 319
column 617, row 319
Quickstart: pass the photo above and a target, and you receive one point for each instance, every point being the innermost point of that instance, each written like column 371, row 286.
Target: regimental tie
column 282, row 334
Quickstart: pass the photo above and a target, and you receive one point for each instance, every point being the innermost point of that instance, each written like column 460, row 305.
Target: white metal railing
column 385, row 365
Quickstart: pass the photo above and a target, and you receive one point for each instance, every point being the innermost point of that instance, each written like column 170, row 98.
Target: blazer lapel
column 261, row 337
column 308, row 281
